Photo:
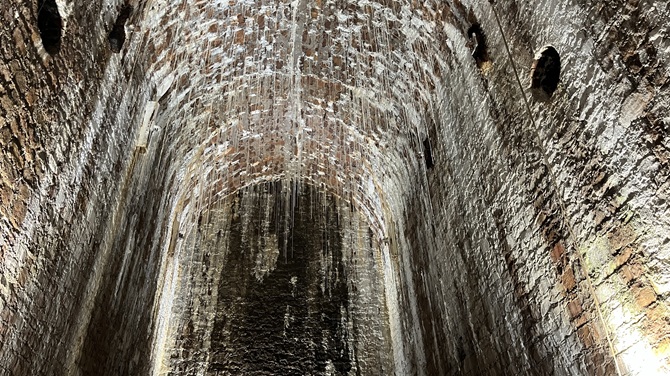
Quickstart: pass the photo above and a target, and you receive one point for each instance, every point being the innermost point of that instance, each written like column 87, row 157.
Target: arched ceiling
column 340, row 94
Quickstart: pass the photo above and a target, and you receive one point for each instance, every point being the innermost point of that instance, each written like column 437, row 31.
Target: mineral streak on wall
column 273, row 284
column 333, row 187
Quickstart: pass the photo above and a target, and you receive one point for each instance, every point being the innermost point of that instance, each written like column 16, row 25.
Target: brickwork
column 537, row 243
column 66, row 124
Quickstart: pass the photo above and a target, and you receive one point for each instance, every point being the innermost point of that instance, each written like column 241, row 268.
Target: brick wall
column 537, row 243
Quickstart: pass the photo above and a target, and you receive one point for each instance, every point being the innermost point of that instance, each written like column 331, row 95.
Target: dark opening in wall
column 545, row 73
column 50, row 25
column 428, row 153
column 478, row 42
column 117, row 36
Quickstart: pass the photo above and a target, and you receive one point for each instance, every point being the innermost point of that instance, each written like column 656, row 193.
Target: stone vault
column 334, row 187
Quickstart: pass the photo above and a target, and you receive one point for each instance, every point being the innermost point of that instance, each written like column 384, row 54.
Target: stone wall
column 68, row 123
column 560, row 205
column 493, row 232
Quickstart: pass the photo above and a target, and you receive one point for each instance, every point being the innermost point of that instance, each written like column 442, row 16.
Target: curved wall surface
column 334, row 187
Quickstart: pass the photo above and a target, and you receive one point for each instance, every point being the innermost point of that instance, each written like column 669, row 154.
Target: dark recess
column 250, row 336
column 428, row 153
column 545, row 73
column 478, row 41
column 50, row 25
column 118, row 34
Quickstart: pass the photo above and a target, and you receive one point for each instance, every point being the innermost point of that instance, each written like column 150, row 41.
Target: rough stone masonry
column 334, row 187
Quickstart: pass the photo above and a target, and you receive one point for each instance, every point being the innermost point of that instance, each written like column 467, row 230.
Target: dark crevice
column 50, row 25
column 478, row 41
column 545, row 73
column 117, row 36
column 428, row 154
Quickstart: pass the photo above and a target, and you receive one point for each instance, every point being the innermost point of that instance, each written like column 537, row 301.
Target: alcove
column 545, row 73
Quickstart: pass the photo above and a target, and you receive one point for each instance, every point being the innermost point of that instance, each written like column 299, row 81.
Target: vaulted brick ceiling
column 318, row 187
column 340, row 94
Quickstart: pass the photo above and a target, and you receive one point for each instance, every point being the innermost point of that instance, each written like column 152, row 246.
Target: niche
column 117, row 36
column 50, row 24
column 428, row 154
column 478, row 43
column 545, row 73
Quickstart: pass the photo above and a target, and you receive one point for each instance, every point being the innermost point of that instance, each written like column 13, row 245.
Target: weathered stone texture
column 274, row 281
column 139, row 233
